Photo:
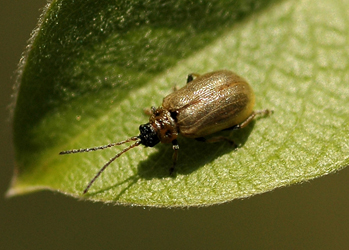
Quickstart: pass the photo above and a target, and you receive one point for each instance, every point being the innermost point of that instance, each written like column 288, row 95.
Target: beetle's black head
column 148, row 135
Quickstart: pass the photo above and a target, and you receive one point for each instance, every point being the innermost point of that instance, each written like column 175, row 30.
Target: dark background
column 313, row 215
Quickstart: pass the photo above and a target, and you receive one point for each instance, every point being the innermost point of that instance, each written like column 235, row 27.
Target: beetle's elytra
column 207, row 104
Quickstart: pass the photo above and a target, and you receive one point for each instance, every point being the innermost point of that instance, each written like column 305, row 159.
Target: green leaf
column 93, row 66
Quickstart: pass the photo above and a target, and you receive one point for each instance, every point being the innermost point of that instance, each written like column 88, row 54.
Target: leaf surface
column 93, row 66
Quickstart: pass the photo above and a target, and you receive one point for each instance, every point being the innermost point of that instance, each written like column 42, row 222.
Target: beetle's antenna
column 137, row 143
column 73, row 151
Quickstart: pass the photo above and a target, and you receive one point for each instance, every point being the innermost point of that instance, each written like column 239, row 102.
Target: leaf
column 93, row 66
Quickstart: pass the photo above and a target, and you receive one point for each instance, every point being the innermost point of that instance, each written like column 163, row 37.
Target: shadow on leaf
column 192, row 155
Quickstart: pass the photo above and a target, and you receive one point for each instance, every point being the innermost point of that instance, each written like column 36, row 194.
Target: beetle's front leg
column 175, row 147
column 149, row 111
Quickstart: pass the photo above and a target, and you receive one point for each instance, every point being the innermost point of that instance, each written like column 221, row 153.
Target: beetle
column 209, row 103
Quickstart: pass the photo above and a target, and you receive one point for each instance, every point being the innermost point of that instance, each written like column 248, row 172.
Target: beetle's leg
column 191, row 77
column 149, row 111
column 202, row 139
column 251, row 117
column 217, row 139
column 175, row 88
column 175, row 147
column 238, row 126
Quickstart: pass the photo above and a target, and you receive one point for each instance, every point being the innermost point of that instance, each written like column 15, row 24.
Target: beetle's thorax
column 164, row 124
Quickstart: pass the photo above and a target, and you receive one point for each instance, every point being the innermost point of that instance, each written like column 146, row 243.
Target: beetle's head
column 148, row 136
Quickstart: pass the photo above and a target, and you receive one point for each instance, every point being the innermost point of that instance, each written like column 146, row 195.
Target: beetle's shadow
column 192, row 154
column 127, row 183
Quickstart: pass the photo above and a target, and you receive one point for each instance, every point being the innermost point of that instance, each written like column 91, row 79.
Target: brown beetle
column 207, row 104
